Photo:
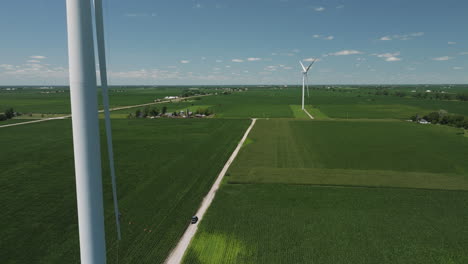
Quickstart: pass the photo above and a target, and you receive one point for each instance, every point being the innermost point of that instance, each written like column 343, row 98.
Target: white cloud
column 254, row 59
column 402, row 37
column 184, row 61
column 33, row 71
column 340, row 7
column 7, row 67
column 452, row 43
column 323, row 37
column 33, row 61
column 237, row 60
column 464, row 53
column 319, row 9
column 393, row 59
column 390, row 57
column 386, row 38
column 458, row 68
column 219, row 61
column 443, row 58
column 345, row 53
column 311, row 59
column 38, row 57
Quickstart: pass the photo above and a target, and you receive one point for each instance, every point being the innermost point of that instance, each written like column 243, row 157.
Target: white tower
column 86, row 141
column 305, row 79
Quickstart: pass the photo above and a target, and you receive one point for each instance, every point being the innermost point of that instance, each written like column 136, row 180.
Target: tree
column 462, row 97
column 433, row 117
column 9, row 113
column 154, row 112
column 465, row 123
column 164, row 109
column 138, row 113
column 3, row 117
column 146, row 111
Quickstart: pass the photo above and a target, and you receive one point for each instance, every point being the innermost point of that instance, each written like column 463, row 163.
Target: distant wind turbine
column 305, row 79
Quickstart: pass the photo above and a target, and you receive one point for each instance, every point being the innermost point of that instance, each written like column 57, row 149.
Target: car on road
column 194, row 220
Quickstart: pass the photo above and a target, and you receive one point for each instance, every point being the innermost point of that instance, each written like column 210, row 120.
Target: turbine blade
column 310, row 66
column 99, row 27
column 303, row 67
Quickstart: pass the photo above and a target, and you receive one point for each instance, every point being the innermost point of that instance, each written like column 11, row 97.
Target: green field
column 352, row 104
column 263, row 102
column 341, row 192
column 398, row 154
column 271, row 223
column 356, row 185
column 164, row 169
column 260, row 103
column 358, row 103
column 57, row 100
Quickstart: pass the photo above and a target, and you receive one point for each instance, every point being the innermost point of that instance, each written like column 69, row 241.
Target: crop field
column 353, row 104
column 273, row 223
column 164, row 169
column 57, row 101
column 355, row 185
column 260, row 103
column 341, row 192
column 360, row 104
column 375, row 153
column 268, row 102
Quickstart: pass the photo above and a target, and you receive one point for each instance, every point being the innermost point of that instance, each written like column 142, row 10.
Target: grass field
column 359, row 104
column 341, row 192
column 266, row 102
column 48, row 102
column 260, row 103
column 399, row 154
column 356, row 185
column 271, row 223
column 13, row 121
column 165, row 168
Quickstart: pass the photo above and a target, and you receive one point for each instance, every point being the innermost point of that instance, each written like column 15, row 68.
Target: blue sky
column 246, row 41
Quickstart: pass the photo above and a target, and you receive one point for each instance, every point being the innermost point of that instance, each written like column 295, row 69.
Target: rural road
column 311, row 117
column 100, row 111
column 178, row 252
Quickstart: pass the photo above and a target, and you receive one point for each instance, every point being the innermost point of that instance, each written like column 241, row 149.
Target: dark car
column 194, row 220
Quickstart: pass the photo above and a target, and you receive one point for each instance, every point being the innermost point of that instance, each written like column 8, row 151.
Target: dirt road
column 178, row 252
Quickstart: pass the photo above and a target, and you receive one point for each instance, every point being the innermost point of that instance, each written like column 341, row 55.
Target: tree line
column 149, row 112
column 8, row 114
column 444, row 118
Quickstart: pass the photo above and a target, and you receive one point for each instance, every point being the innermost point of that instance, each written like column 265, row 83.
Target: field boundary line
column 102, row 111
column 311, row 117
column 178, row 252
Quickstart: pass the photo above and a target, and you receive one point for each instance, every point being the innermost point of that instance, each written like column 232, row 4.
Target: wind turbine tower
column 305, row 79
